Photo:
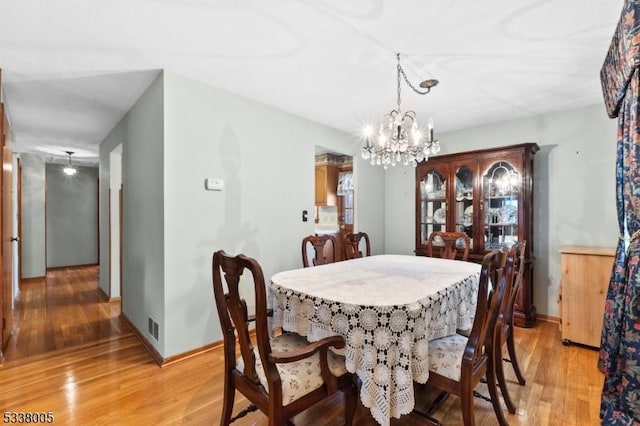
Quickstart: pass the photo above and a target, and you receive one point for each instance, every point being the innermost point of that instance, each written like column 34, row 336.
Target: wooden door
column 6, row 254
column 121, row 239
column 346, row 211
column 7, row 237
column 19, row 214
column 345, row 221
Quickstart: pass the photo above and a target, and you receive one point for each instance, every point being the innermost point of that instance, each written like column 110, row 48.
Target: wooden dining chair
column 457, row 363
column 514, row 273
column 449, row 243
column 353, row 245
column 320, row 244
column 282, row 375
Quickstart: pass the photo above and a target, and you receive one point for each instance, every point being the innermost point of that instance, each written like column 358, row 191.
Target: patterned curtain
column 620, row 344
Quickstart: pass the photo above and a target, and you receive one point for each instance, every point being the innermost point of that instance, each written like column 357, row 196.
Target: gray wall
column 144, row 263
column 141, row 134
column 370, row 211
column 574, row 188
column 179, row 133
column 266, row 158
column 71, row 216
column 33, row 216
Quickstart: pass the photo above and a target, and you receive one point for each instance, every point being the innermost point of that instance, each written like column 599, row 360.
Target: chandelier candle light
column 399, row 137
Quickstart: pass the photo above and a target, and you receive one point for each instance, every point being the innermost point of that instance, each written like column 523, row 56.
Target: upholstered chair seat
column 299, row 377
column 445, row 356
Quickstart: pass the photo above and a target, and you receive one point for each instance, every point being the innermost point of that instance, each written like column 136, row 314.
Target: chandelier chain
column 406, row 79
column 398, row 78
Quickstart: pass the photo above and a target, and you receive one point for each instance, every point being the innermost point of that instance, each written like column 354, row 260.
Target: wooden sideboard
column 586, row 272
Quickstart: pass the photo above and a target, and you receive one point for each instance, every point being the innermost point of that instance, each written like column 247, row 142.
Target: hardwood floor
column 71, row 355
column 65, row 309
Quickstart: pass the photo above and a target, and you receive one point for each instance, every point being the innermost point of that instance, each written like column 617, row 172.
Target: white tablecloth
column 387, row 308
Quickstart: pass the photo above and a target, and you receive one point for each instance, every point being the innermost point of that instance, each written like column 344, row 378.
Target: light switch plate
column 211, row 184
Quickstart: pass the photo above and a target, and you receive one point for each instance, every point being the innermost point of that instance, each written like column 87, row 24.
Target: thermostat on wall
column 211, row 184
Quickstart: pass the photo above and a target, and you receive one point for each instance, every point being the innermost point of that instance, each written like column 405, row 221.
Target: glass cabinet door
column 463, row 206
column 433, row 205
column 501, row 195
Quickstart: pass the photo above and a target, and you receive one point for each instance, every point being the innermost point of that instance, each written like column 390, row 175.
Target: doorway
column 115, row 223
column 334, row 196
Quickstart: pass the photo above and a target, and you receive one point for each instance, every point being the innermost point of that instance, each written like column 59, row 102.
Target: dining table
column 387, row 308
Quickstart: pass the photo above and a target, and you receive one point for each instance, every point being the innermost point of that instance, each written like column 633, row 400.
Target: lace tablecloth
column 387, row 308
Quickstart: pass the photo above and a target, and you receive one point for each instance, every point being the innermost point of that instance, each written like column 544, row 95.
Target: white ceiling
column 71, row 69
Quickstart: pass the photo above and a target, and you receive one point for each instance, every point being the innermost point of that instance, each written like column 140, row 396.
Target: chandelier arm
column 406, row 79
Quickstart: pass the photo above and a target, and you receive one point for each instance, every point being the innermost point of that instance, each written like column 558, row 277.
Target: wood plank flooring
column 64, row 310
column 71, row 355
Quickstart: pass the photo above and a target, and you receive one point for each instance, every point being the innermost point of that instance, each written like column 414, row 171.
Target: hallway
column 64, row 310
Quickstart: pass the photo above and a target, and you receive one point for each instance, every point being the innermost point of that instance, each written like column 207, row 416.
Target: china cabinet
column 486, row 194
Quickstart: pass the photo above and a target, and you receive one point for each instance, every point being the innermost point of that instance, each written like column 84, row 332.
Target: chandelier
column 69, row 170
column 399, row 138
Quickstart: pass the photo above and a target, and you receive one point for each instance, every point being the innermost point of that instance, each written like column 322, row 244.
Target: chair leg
column 428, row 416
column 511, row 346
column 466, row 402
column 249, row 409
column 424, row 417
column 276, row 418
column 227, row 403
column 503, row 383
column 350, row 401
column 493, row 392
column 437, row 403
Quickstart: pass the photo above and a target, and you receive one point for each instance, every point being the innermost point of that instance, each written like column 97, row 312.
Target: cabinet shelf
column 501, row 197
column 498, row 246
